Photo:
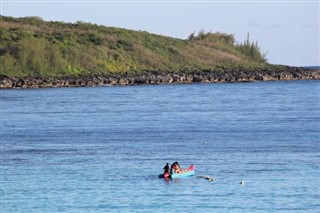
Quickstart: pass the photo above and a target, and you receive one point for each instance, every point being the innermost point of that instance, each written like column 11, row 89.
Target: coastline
column 156, row 77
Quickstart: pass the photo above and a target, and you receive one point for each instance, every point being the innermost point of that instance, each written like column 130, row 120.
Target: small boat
column 184, row 173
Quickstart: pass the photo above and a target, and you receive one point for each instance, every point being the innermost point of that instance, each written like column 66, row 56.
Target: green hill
column 31, row 47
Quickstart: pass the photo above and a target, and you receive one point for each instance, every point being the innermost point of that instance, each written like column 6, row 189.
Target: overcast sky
column 287, row 30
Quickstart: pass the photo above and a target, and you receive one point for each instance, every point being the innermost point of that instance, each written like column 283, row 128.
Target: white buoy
column 242, row 182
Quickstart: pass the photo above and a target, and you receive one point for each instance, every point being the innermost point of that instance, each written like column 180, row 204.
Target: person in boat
column 175, row 167
column 166, row 168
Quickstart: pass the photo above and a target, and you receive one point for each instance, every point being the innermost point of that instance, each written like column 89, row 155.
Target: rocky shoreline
column 155, row 77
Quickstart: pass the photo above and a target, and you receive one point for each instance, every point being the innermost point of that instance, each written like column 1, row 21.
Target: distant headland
column 35, row 53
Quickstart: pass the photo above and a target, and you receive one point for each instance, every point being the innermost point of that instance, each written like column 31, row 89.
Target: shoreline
column 156, row 77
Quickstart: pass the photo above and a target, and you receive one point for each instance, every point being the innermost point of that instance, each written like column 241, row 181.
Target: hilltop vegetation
column 31, row 47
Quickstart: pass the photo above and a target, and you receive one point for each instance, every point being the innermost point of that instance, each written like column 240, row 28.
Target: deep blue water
column 100, row 149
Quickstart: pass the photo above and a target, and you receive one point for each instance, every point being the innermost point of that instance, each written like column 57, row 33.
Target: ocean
column 101, row 149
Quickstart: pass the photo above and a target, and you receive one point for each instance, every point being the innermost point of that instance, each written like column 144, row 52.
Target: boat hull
column 183, row 174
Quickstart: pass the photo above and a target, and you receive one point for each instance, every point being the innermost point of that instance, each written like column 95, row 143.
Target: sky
column 287, row 30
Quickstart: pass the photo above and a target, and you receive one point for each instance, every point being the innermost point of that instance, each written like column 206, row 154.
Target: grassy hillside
column 31, row 47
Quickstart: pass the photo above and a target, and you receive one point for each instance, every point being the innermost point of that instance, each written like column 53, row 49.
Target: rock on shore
column 156, row 77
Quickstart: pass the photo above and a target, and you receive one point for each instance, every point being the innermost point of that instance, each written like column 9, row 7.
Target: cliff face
column 160, row 78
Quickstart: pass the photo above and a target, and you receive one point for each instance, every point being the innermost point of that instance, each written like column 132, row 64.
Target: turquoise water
column 101, row 149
